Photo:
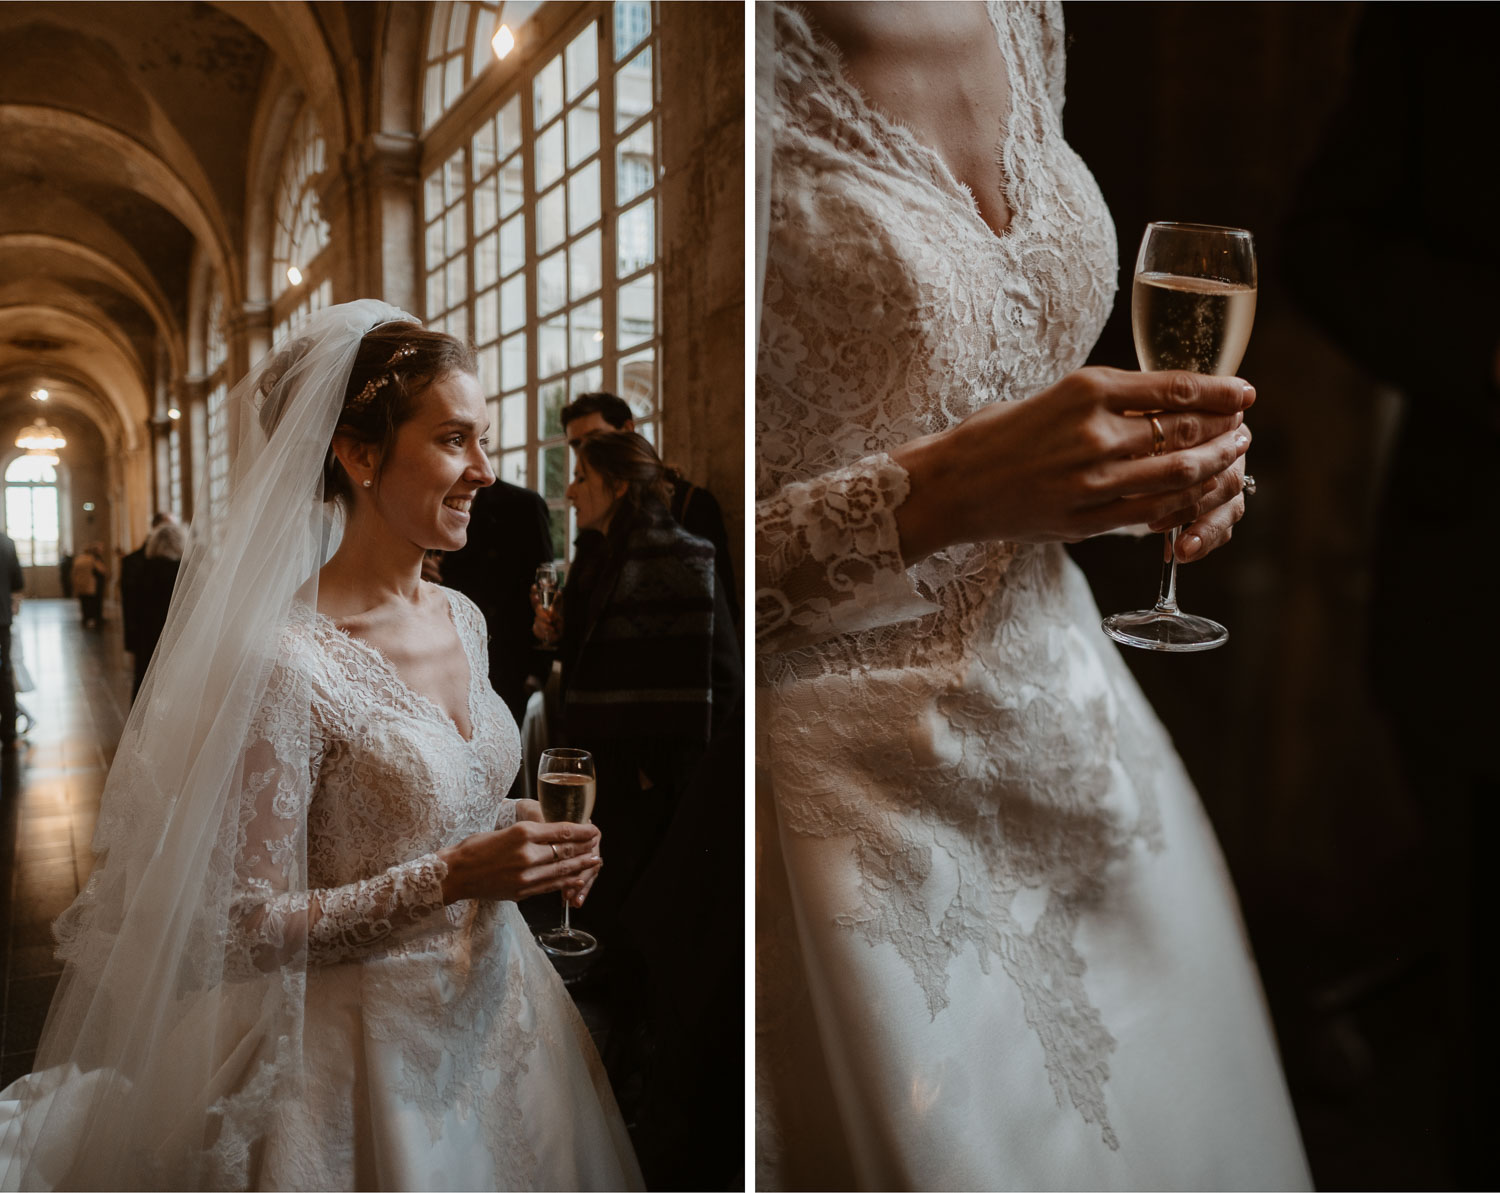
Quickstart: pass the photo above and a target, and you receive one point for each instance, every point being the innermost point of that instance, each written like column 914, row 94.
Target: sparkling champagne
column 566, row 797
column 546, row 594
column 1198, row 324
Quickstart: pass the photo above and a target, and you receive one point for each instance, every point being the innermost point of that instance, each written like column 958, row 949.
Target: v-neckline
column 421, row 698
column 912, row 146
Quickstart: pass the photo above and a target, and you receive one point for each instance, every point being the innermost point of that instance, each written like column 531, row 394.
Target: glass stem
column 1166, row 596
column 567, row 917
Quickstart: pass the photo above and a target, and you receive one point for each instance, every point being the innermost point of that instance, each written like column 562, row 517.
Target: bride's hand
column 526, row 859
column 1075, row 460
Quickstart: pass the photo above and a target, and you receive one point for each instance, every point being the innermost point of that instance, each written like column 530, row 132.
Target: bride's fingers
column 1171, row 390
column 1178, row 432
column 1156, row 477
column 1203, row 501
column 1210, row 532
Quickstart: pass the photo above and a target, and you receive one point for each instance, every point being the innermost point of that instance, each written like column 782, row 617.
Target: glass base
column 1153, row 629
column 567, row 942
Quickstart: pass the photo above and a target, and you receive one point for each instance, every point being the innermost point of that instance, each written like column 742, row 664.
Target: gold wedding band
column 556, row 857
column 1158, row 437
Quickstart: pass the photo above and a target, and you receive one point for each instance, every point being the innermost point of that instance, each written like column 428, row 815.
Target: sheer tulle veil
column 164, row 1055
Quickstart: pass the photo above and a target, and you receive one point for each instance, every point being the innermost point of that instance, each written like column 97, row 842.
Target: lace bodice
column 891, row 310
column 387, row 782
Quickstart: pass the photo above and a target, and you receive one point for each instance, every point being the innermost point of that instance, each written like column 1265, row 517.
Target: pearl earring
column 367, row 482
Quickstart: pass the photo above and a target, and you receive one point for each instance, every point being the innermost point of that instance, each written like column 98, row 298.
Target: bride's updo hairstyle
column 395, row 363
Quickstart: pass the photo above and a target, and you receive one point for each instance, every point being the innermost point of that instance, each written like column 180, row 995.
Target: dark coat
column 510, row 534
column 697, row 511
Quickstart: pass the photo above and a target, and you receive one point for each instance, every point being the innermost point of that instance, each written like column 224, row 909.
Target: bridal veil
column 165, row 1053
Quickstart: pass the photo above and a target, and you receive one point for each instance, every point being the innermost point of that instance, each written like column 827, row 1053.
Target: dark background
column 1210, row 113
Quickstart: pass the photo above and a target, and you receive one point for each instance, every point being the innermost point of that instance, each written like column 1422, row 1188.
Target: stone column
column 372, row 201
column 703, row 250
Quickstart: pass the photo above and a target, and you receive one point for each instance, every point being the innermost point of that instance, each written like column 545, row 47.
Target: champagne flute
column 565, row 789
column 546, row 584
column 1191, row 307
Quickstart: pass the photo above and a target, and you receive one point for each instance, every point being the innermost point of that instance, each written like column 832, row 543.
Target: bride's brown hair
column 394, row 364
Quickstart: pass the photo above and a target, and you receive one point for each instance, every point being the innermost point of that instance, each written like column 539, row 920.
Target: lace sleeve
column 274, row 918
column 828, row 557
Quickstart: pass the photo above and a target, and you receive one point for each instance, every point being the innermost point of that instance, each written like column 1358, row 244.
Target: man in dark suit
column 10, row 584
column 694, row 508
column 510, row 534
column 132, row 568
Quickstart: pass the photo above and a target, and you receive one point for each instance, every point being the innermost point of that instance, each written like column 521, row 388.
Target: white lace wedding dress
column 439, row 1049
column 997, row 946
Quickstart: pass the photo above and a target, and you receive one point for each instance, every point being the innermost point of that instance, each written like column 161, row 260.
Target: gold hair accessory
column 374, row 384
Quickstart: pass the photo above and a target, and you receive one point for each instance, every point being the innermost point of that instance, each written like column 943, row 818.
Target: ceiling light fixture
column 503, row 42
column 174, row 414
column 41, row 440
column 294, row 275
column 41, row 395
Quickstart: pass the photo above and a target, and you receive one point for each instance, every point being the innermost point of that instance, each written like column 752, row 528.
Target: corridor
column 51, row 789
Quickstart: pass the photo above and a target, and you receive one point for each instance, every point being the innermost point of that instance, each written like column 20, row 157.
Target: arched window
column 299, row 265
column 540, row 238
column 458, row 50
column 31, row 509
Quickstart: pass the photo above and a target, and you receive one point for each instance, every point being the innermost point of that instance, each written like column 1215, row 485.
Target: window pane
column 453, row 179
column 559, row 520
column 587, row 333
column 635, row 238
column 512, row 186
column 513, row 362
column 486, row 317
column 32, row 469
column 633, row 90
column 435, row 254
column 482, row 150
column 547, row 92
column 550, row 225
column 583, row 129
column 487, row 259
column 512, row 468
column 637, row 311
column 634, row 168
column 437, row 33
column 458, row 282
column 637, row 382
column 586, row 382
column 458, row 323
column 549, row 156
column 632, row 23
column 513, row 244
column 489, row 371
column 583, row 60
column 552, row 346
column 583, row 198
column 454, row 223
column 584, row 265
column 432, row 96
column 555, row 464
column 554, row 398
column 484, row 32
column 458, row 26
column 513, row 303
column 485, row 204
column 513, row 420
column 453, row 80
column 435, row 303
column 508, row 124
column 552, row 282
column 433, row 196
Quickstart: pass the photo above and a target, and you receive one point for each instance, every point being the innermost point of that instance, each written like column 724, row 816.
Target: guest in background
column 10, row 585
column 131, row 567
column 650, row 660
column 652, row 685
column 156, row 579
column 510, row 534
column 693, row 508
column 89, row 578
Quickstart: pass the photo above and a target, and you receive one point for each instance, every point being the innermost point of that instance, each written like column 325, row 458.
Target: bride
column 996, row 944
column 298, row 962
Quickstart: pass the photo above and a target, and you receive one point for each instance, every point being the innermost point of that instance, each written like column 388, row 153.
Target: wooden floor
column 51, row 788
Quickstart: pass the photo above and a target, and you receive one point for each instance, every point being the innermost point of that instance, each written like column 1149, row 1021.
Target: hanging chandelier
column 41, row 441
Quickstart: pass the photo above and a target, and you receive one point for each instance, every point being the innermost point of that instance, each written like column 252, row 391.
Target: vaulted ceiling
column 126, row 134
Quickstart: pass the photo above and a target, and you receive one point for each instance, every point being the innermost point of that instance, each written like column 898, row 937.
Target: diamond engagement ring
column 1247, row 486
